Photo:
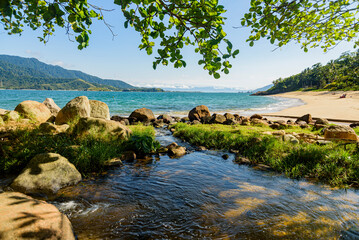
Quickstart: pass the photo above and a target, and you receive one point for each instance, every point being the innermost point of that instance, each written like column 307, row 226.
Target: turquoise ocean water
column 175, row 103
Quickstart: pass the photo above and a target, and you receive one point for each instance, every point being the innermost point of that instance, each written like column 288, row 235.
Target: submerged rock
column 99, row 110
column 177, row 151
column 340, row 132
column 52, row 106
column 34, row 110
column 198, row 113
column 77, row 108
column 46, row 173
column 22, row 217
column 143, row 115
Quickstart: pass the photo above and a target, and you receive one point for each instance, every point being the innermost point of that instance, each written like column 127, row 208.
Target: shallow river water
column 202, row 196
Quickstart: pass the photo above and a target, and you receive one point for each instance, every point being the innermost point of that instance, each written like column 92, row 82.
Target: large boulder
column 306, row 118
column 22, row 217
column 98, row 125
column 340, row 132
column 77, row 108
column 33, row 110
column 46, row 173
column 52, row 106
column 217, row 119
column 99, row 110
column 198, row 113
column 142, row 115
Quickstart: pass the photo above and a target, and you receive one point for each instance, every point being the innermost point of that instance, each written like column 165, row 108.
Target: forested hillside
column 339, row 74
column 30, row 73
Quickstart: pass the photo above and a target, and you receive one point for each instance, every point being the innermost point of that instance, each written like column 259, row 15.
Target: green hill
column 339, row 74
column 30, row 73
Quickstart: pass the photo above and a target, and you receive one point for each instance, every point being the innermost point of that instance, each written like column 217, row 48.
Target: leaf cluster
column 169, row 24
column 312, row 23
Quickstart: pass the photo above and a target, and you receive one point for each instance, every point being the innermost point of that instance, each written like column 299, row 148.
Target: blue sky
column 120, row 58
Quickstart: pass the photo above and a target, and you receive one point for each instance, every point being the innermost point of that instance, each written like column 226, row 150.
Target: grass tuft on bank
column 87, row 153
column 335, row 163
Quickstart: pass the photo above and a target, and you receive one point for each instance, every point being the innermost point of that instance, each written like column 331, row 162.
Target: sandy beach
column 323, row 105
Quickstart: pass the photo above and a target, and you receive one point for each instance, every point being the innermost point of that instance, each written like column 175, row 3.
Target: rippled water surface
column 177, row 103
column 202, row 196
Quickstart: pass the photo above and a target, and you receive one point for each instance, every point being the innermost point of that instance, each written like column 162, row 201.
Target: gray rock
column 75, row 109
column 52, row 106
column 99, row 110
column 46, row 173
column 33, row 110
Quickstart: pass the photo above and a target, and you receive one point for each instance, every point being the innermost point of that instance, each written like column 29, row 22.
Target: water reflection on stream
column 202, row 196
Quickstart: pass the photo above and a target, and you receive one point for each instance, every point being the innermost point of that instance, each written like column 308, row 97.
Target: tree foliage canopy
column 173, row 23
column 312, row 23
column 167, row 26
column 338, row 74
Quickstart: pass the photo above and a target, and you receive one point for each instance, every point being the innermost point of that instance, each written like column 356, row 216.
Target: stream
column 202, row 196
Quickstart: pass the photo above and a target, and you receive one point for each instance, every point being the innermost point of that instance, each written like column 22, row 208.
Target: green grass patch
column 334, row 163
column 87, row 153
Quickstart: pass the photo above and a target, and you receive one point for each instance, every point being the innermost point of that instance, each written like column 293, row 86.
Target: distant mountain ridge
column 20, row 73
column 265, row 88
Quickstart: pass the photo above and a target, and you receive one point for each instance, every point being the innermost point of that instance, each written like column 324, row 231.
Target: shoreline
column 322, row 104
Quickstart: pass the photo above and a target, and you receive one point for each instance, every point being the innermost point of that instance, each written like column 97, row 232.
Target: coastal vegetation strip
column 334, row 163
column 338, row 74
column 87, row 152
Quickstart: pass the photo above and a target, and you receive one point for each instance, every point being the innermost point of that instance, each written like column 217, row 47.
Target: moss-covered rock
column 46, row 173
column 77, row 108
column 34, row 110
column 102, row 126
